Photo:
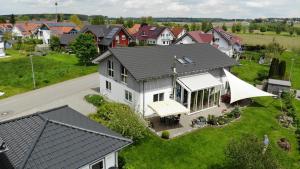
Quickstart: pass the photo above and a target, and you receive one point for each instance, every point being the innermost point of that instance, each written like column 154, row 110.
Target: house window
column 110, row 68
column 98, row 165
column 128, row 96
column 123, row 37
column 118, row 39
column 124, row 74
column 164, row 42
column 108, row 85
column 158, row 97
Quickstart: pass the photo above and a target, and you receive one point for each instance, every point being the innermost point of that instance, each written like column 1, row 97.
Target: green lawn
column 204, row 148
column 289, row 42
column 16, row 76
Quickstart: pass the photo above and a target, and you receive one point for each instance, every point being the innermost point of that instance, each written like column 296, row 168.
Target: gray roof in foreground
column 280, row 82
column 157, row 61
column 57, row 138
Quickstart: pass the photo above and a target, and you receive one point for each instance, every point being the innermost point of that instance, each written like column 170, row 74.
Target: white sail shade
column 240, row 89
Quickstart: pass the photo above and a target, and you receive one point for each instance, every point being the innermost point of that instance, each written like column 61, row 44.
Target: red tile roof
column 149, row 32
column 135, row 28
column 176, row 31
column 27, row 28
column 233, row 39
column 201, row 37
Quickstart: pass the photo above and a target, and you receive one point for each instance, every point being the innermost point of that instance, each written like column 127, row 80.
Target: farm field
column 16, row 75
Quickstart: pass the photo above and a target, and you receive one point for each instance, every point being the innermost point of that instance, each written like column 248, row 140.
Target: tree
column 263, row 28
column 85, row 49
column 120, row 20
column 274, row 49
column 291, row 30
column 233, row 28
column 204, row 26
column 282, row 69
column 193, row 27
column 297, row 30
column 98, row 20
column 186, row 27
column 273, row 71
column 238, row 27
column 2, row 19
column 209, row 27
column 247, row 153
column 149, row 20
column 60, row 17
column 54, row 43
column 224, row 27
column 76, row 20
column 129, row 23
column 6, row 37
column 12, row 19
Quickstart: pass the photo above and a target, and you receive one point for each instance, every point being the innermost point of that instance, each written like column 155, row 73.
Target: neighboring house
column 55, row 29
column 108, row 36
column 178, row 32
column 135, row 28
column 278, row 86
column 195, row 37
column 26, row 29
column 58, row 138
column 153, row 35
column 2, row 52
column 227, row 42
column 6, row 27
column 139, row 76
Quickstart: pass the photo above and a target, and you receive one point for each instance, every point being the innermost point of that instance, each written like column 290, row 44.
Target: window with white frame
column 110, row 68
column 128, row 96
column 118, row 39
column 124, row 74
column 98, row 165
column 123, row 37
column 108, row 85
column 158, row 97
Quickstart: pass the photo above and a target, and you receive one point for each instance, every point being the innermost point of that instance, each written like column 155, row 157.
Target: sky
column 158, row 8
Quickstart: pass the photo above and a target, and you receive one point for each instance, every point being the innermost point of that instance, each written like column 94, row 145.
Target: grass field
column 16, row 76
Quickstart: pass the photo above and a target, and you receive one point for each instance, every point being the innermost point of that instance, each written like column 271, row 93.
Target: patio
column 185, row 123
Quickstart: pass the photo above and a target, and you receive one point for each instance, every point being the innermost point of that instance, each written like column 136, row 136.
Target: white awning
column 168, row 108
column 198, row 82
column 240, row 90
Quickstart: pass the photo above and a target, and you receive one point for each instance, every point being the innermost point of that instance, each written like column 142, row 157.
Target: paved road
column 70, row 93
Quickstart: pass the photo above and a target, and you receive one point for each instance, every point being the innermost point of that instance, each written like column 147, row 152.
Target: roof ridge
column 55, row 108
column 87, row 130
column 33, row 145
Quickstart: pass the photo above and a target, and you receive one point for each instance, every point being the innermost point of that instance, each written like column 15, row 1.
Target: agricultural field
column 16, row 74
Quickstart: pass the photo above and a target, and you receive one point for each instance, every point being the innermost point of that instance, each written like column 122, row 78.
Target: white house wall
column 16, row 32
column 45, row 35
column 186, row 40
column 181, row 33
column 151, row 88
column 109, row 161
column 165, row 38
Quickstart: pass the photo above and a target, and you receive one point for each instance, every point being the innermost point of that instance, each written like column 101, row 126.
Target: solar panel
column 188, row 60
column 112, row 33
column 181, row 61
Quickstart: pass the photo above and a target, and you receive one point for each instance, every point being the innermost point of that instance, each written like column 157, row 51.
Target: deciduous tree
column 76, row 20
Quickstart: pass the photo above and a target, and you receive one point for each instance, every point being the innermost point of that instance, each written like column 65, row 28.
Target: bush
column 221, row 120
column 235, row 113
column 247, row 152
column 212, row 120
column 122, row 119
column 95, row 100
column 165, row 135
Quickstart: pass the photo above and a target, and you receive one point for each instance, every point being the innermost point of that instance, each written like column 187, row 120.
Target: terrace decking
column 185, row 124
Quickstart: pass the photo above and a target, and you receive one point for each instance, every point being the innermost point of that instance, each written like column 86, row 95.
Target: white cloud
column 159, row 8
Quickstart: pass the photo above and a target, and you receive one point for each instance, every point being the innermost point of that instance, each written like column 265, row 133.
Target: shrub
column 247, row 152
column 165, row 135
column 235, row 113
column 221, row 120
column 122, row 119
column 95, row 100
column 212, row 120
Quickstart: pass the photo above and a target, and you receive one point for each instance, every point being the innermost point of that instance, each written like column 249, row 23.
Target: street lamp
column 291, row 68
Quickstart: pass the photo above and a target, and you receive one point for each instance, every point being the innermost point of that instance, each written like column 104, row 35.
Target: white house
column 195, row 37
column 142, row 76
column 153, row 35
column 2, row 52
column 226, row 42
column 58, row 138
